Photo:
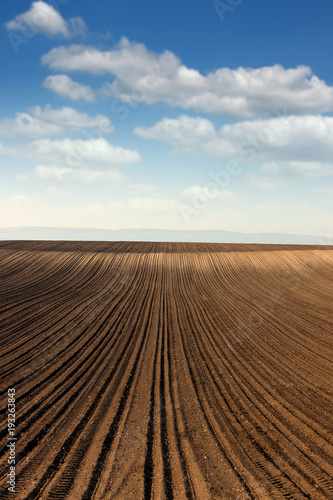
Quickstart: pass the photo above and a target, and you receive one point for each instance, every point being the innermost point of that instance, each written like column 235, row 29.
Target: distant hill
column 75, row 234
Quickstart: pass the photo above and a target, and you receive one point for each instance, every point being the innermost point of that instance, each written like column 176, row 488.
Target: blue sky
column 181, row 115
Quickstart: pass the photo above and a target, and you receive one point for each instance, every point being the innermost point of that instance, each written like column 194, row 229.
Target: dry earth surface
column 167, row 371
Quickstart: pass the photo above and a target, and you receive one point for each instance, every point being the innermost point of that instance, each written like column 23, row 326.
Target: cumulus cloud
column 44, row 19
column 52, row 172
column 287, row 138
column 76, row 153
column 184, row 134
column 90, row 159
column 143, row 75
column 25, row 125
column 127, row 57
column 64, row 86
column 72, row 119
column 77, row 161
column 43, row 122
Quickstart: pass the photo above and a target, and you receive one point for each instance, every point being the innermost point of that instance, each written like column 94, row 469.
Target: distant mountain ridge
column 204, row 236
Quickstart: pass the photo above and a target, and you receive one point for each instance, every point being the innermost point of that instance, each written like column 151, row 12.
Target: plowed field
column 167, row 371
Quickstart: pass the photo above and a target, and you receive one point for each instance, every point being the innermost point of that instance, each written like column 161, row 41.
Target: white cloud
column 288, row 138
column 311, row 168
column 54, row 173
column 25, row 125
column 94, row 155
column 127, row 57
column 72, row 119
column 297, row 168
column 76, row 153
column 270, row 177
column 7, row 151
column 292, row 138
column 44, row 19
column 86, row 176
column 268, row 183
column 43, row 122
column 66, row 87
column 143, row 75
column 184, row 134
column 279, row 175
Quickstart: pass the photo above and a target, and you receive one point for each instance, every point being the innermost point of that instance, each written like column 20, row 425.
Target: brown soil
column 167, row 370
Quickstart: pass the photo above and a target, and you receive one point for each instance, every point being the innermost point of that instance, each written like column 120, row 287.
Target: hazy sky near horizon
column 181, row 115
